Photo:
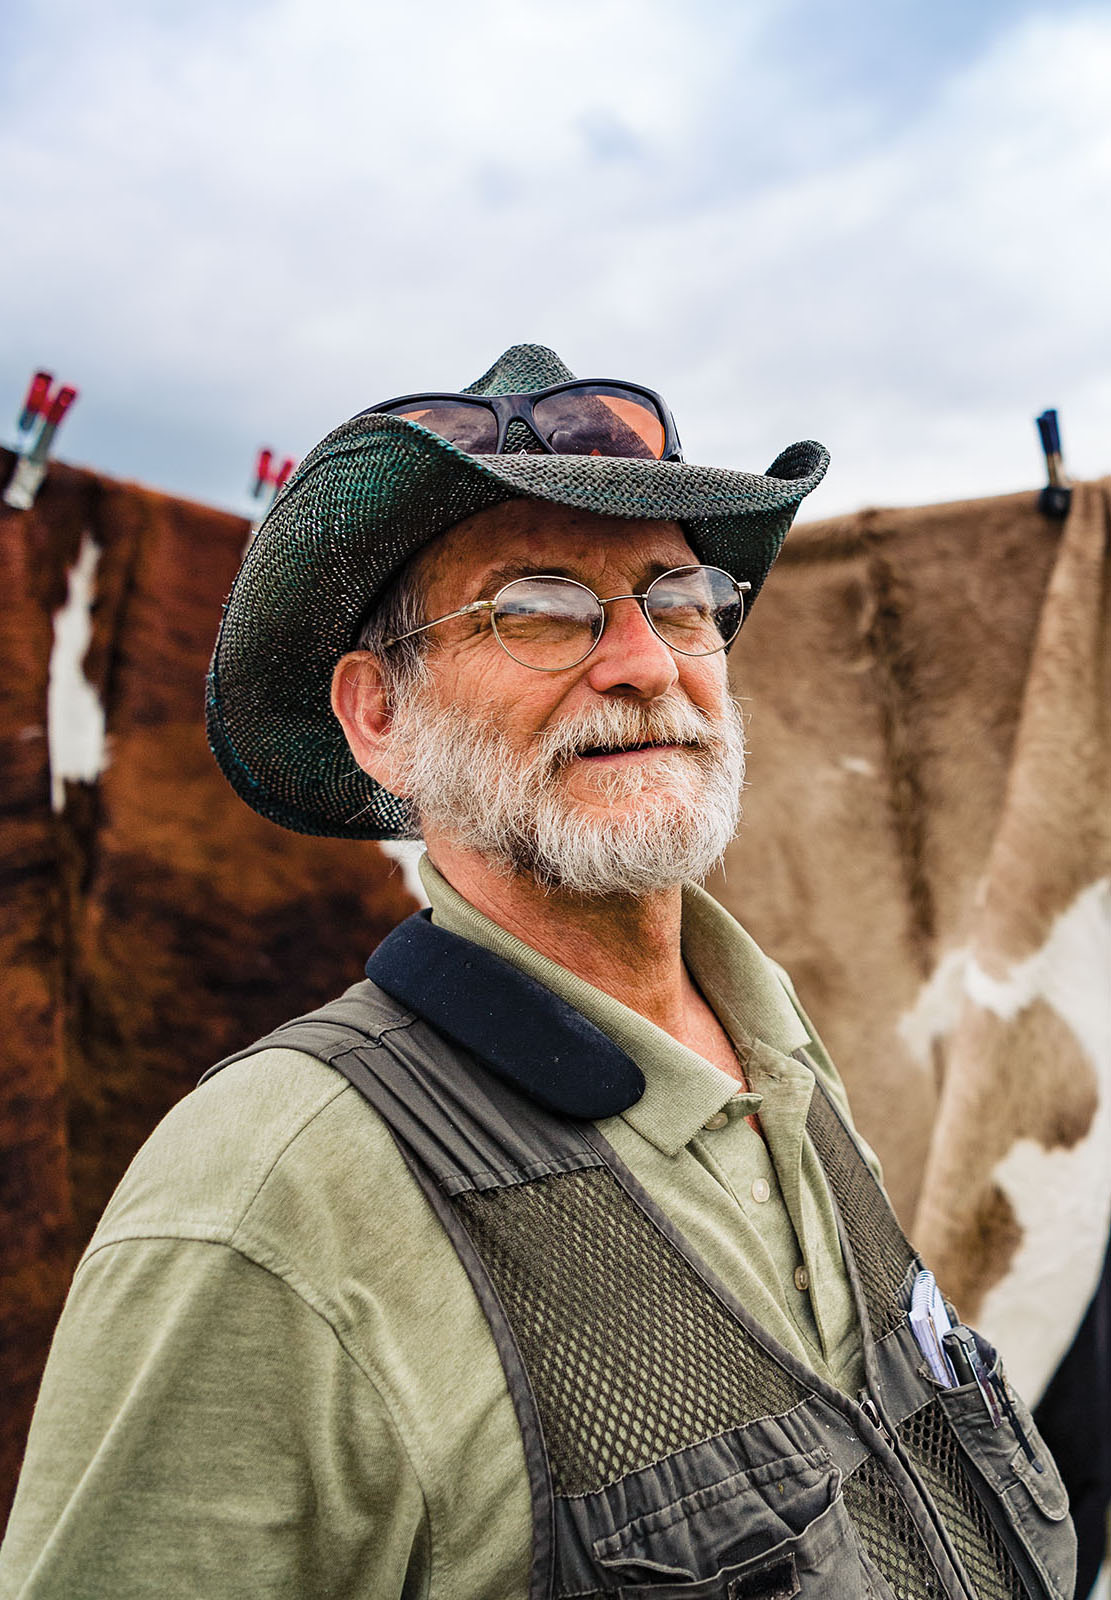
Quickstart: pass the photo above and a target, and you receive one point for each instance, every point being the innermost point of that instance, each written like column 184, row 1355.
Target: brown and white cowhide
column 927, row 848
column 149, row 921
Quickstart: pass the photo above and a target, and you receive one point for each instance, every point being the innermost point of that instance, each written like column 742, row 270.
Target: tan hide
column 927, row 848
column 152, row 922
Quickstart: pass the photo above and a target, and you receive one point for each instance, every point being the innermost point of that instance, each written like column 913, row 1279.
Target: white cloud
column 943, row 288
column 246, row 228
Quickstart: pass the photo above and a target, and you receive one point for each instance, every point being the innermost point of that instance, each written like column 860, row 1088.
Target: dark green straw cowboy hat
column 359, row 505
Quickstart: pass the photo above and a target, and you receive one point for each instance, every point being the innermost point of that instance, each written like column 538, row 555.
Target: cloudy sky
column 881, row 224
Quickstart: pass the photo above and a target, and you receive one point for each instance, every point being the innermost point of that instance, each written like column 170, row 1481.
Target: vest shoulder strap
column 466, row 1127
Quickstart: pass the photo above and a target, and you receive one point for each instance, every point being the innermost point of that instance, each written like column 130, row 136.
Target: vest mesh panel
column 883, row 1258
column 929, row 1442
column 885, row 1529
column 632, row 1358
column 630, row 1355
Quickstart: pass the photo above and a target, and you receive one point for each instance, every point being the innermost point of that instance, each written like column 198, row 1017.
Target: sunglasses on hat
column 586, row 417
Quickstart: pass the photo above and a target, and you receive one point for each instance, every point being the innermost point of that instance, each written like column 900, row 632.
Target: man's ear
column 362, row 709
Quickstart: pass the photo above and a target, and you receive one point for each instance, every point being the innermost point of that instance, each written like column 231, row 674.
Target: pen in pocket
column 964, row 1354
column 967, row 1362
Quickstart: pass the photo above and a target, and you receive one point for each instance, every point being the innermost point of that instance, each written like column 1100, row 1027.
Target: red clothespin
column 34, row 406
column 270, row 476
column 270, row 480
column 262, row 472
column 39, row 420
column 60, row 404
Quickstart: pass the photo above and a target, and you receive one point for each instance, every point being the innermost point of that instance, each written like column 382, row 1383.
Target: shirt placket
column 747, row 1166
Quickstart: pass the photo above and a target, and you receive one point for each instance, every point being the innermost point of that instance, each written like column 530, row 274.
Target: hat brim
column 367, row 498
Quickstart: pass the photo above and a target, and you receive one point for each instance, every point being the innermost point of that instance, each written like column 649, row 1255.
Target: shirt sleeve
column 201, row 1431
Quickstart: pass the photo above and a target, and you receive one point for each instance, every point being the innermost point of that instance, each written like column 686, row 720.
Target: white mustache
column 621, row 725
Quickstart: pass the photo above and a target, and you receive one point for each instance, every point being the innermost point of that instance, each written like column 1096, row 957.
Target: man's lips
column 616, row 753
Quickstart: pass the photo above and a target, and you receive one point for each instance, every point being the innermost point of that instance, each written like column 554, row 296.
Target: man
column 545, row 1262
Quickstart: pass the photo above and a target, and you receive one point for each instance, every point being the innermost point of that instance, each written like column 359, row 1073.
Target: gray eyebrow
column 500, row 576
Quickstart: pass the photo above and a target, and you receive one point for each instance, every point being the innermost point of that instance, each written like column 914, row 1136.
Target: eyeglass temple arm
column 464, row 611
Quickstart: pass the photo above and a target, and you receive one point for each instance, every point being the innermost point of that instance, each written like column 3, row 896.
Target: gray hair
column 397, row 609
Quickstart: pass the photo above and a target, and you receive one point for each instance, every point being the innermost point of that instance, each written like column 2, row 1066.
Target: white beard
column 673, row 816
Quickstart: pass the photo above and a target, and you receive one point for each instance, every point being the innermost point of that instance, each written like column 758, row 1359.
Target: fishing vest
column 675, row 1450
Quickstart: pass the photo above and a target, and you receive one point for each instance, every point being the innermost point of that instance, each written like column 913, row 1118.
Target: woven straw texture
column 361, row 503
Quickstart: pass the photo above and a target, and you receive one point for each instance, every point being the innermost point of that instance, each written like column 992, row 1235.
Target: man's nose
column 630, row 658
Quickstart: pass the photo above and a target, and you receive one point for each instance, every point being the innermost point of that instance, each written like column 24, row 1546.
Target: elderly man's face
column 621, row 755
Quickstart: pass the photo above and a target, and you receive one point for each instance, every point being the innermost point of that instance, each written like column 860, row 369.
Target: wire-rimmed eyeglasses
column 550, row 623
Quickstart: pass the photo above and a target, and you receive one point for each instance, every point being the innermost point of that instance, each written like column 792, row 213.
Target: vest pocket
column 772, row 1533
column 1036, row 1502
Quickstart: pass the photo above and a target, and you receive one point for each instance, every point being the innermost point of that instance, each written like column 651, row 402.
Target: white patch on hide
column 1061, row 1198
column 74, row 715
column 937, row 1008
column 407, row 852
column 1101, row 1589
column 858, row 766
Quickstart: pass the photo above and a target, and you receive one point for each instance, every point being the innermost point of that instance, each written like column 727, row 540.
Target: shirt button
column 718, row 1120
column 802, row 1279
column 761, row 1189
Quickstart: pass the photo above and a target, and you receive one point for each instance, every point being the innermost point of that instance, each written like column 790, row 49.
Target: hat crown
column 523, row 369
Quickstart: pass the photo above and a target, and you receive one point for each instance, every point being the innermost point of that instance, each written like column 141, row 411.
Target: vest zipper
column 872, row 1412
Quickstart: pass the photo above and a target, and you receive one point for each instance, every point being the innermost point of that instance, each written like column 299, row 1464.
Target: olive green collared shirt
column 760, row 1214
column 272, row 1376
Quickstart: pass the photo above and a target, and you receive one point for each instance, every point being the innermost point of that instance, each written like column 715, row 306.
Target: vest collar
column 523, row 1032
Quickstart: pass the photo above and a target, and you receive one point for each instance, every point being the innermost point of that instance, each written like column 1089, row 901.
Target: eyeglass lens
column 595, row 420
column 553, row 623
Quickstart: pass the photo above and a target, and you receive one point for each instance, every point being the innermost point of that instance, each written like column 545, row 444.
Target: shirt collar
column 675, row 1090
column 746, row 988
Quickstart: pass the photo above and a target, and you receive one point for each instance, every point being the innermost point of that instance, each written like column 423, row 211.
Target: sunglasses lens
column 547, row 622
column 696, row 610
column 604, row 419
column 470, row 426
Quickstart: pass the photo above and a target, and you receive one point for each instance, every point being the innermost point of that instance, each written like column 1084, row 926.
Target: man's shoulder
column 236, row 1160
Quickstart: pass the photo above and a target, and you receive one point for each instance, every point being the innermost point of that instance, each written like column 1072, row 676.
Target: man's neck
column 629, row 946
column 626, row 945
